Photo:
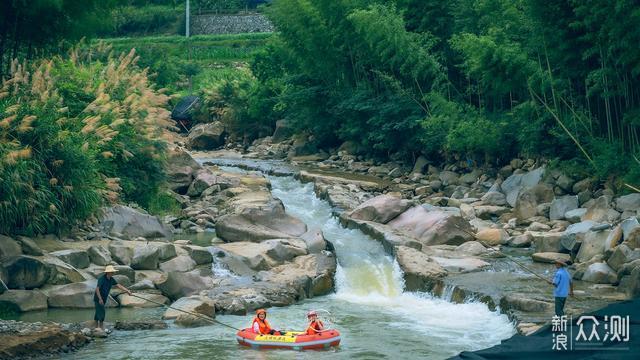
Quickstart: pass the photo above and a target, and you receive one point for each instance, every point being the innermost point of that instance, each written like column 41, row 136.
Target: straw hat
column 110, row 269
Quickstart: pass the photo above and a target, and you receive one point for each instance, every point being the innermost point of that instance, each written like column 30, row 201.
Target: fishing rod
column 187, row 312
column 505, row 255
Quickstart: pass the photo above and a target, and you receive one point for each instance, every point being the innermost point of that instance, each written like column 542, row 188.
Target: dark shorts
column 560, row 305
column 100, row 312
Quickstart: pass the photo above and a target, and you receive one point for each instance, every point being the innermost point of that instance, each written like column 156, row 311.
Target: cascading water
column 376, row 317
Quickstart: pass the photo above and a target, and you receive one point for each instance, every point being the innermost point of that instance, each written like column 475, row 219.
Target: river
column 377, row 319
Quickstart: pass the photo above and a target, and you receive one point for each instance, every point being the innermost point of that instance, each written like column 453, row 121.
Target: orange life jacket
column 263, row 326
column 314, row 327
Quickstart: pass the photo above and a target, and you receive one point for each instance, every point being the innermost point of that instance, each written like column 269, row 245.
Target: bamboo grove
column 484, row 80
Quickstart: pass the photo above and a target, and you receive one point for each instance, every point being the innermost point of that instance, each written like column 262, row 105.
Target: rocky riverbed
column 234, row 248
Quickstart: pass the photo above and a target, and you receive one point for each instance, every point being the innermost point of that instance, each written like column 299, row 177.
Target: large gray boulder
column 547, row 241
column 622, row 255
column 99, row 255
column 61, row 272
column 145, row 258
column 380, row 209
column 25, row 272
column 599, row 210
column 600, row 273
column 29, row 247
column 433, row 227
column 315, row 241
column 550, row 257
column 593, row 244
column 23, row 300
column 203, row 179
column 420, row 271
column 514, row 184
column 528, row 200
column 166, row 251
column 181, row 263
column 75, row 296
column 629, row 202
column 130, row 223
column 120, row 252
column 267, row 254
column 75, row 257
column 560, row 206
column 199, row 254
column 630, row 284
column 175, row 285
column 9, row 247
column 494, row 198
column 180, row 170
column 194, row 304
column 267, row 221
column 206, row 136
column 628, row 226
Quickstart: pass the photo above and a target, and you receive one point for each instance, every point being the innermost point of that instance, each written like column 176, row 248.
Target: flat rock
column 550, row 257
column 420, row 271
column 74, row 296
column 132, row 301
column 462, row 265
column 23, row 300
column 381, row 209
column 130, row 325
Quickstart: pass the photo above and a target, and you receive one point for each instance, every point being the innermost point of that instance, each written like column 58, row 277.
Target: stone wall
column 230, row 24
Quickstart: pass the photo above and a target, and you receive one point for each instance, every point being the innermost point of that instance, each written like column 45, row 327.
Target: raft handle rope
column 505, row 255
column 187, row 312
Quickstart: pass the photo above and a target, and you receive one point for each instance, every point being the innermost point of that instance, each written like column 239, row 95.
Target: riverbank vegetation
column 471, row 79
column 77, row 132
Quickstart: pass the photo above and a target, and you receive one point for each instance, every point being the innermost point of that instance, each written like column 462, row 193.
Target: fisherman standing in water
column 101, row 295
column 563, row 286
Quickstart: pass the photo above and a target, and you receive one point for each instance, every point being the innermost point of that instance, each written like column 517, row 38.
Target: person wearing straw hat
column 101, row 295
column 563, row 286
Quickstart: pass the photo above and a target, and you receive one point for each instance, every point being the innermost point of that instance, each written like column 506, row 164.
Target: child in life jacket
column 315, row 326
column 261, row 325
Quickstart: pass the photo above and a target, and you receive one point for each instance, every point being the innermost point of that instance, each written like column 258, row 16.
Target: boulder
column 130, row 223
column 630, row 284
column 75, row 257
column 494, row 198
column 99, row 255
column 420, row 165
column 259, row 223
column 145, row 258
column 194, row 304
column 199, row 254
column 433, row 227
column 629, row 202
column 9, row 247
column 314, row 240
column 492, row 237
column 575, row 215
column 166, row 251
column 520, row 241
column 528, row 200
column 180, row 170
column 175, row 285
column 600, row 273
column 473, row 248
column 23, row 300
column 420, row 271
column 462, row 265
column 598, row 211
column 380, row 209
column 143, row 284
column 614, row 238
column 121, row 252
column 181, row 263
column 61, row 272
column 561, row 205
column 29, row 247
column 628, row 226
column 593, row 244
column 203, row 179
column 514, row 184
column 521, row 302
column 75, row 296
column 25, row 272
column 308, row 275
column 206, row 136
column 621, row 255
column 550, row 257
column 267, row 254
column 126, row 300
column 487, row 212
column 547, row 241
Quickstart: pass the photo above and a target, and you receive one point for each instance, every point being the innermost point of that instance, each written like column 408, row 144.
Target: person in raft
column 261, row 325
column 563, row 287
column 315, row 325
column 101, row 295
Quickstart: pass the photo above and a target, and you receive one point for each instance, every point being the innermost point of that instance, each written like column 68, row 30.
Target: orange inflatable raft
column 292, row 340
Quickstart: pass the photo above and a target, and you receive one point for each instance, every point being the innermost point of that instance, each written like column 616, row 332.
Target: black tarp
column 540, row 344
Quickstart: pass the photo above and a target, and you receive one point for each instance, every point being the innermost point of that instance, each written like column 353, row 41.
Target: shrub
column 74, row 134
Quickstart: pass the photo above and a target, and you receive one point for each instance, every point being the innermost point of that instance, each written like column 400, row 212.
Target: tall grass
column 77, row 132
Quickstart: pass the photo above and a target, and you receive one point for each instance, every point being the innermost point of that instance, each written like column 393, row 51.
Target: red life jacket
column 314, row 327
column 263, row 326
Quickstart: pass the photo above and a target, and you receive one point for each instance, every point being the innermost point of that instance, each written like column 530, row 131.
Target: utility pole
column 187, row 20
